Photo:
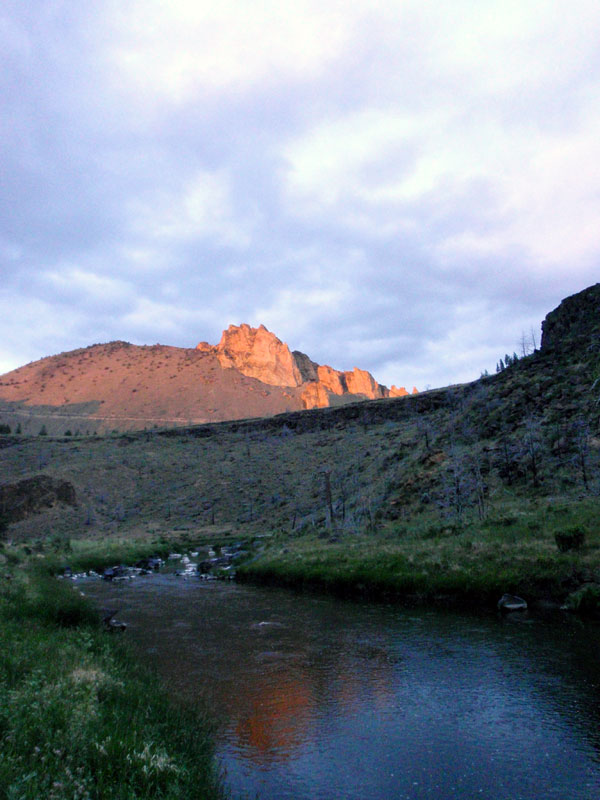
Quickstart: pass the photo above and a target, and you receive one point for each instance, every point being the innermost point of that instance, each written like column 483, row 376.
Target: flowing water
column 320, row 698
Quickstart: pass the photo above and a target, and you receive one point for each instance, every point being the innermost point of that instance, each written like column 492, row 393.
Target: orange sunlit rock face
column 332, row 379
column 359, row 381
column 258, row 353
column 315, row 396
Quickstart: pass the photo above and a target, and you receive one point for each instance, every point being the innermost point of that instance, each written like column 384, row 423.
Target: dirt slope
column 124, row 386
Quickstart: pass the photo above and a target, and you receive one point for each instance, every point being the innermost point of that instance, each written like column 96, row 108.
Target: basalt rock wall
column 575, row 324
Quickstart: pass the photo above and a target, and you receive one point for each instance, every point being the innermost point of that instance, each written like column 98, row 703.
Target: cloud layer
column 398, row 185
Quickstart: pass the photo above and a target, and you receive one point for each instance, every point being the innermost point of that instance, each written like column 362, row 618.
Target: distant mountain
column 250, row 373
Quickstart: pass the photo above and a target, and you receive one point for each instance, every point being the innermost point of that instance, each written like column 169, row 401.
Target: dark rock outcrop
column 575, row 324
column 32, row 495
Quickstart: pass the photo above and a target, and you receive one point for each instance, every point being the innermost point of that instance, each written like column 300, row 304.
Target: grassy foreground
column 78, row 717
column 425, row 559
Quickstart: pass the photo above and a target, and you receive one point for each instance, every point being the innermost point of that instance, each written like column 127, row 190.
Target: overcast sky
column 399, row 185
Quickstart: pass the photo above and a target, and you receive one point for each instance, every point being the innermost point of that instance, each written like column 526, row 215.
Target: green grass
column 513, row 550
column 80, row 719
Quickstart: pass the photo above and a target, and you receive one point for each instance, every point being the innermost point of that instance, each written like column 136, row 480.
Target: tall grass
column 79, row 718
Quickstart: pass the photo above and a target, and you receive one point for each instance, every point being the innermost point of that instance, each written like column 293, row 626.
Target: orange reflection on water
column 275, row 720
column 274, row 716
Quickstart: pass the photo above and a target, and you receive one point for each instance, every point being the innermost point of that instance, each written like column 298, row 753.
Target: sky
column 399, row 185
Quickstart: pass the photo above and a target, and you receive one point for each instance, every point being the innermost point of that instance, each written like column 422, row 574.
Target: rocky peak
column 257, row 353
column 359, row 381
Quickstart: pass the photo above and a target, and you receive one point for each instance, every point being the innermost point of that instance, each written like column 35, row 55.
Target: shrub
column 570, row 539
column 585, row 600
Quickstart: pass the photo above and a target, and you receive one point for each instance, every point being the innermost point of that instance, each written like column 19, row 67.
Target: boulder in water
column 511, row 602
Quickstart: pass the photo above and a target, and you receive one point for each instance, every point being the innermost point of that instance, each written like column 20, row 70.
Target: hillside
column 120, row 386
column 438, row 492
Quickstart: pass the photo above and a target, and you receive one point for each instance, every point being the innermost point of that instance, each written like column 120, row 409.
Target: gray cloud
column 382, row 186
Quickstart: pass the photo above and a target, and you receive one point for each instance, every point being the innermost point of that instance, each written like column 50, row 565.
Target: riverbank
column 466, row 564
column 79, row 718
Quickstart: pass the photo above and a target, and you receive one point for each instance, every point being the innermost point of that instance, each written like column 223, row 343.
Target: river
column 324, row 699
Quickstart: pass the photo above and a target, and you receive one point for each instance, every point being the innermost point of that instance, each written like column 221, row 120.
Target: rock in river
column 511, row 602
